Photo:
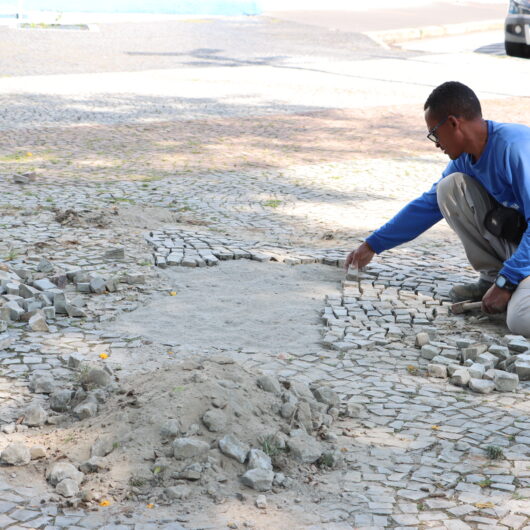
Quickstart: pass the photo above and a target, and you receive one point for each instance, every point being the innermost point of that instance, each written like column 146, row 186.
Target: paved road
column 192, row 43
column 396, row 17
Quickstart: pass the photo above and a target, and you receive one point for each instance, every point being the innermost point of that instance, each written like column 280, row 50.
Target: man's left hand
column 495, row 300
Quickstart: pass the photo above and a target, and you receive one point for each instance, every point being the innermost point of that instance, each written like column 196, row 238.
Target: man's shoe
column 469, row 291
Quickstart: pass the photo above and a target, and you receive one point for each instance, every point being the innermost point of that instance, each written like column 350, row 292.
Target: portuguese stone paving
column 433, row 426
column 422, row 451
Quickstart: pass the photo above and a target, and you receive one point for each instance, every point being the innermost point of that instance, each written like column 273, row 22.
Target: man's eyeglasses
column 431, row 135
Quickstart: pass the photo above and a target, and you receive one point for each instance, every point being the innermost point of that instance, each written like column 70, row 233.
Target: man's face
column 445, row 132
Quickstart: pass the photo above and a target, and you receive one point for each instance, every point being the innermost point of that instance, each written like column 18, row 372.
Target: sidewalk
column 406, row 23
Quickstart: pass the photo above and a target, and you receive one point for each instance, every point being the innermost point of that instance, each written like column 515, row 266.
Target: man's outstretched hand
column 360, row 257
column 495, row 300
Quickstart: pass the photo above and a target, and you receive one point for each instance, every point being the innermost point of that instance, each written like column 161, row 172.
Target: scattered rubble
column 205, row 437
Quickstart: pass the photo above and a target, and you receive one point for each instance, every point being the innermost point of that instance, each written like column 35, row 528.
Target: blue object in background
column 169, row 7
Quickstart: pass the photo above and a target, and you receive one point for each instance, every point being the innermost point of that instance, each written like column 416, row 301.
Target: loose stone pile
column 37, row 296
column 482, row 367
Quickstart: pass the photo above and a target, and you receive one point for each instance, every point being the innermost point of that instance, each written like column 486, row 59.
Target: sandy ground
column 266, row 307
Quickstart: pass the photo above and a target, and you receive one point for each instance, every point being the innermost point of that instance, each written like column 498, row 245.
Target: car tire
column 517, row 49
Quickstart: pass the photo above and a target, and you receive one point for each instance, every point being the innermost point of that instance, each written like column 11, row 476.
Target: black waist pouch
column 506, row 223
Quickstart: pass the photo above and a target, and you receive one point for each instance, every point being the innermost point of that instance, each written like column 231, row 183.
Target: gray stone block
column 16, row 454
column 437, row 370
column 117, row 253
column 422, row 339
column 269, row 383
column 231, row 446
column 67, row 488
column 38, row 323
column 519, row 345
column 59, row 471
column 505, row 382
column 15, row 311
column 97, row 285
column 35, row 415
column 460, row 377
column 429, row 352
column 258, row 479
column 522, row 367
column 44, row 284
column 472, row 352
column 488, row 360
column 83, row 287
column 304, row 447
column 476, row 370
column 481, row 386
column 189, row 448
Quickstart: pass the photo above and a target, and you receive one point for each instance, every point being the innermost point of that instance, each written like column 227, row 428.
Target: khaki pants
column 464, row 203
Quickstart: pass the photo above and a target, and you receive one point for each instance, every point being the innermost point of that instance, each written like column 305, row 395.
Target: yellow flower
column 104, row 502
column 29, row 153
column 170, row 353
column 484, row 504
column 435, row 427
column 103, row 355
column 150, row 505
column 173, row 293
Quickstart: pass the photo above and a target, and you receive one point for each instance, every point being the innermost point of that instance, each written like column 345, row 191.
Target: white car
column 517, row 29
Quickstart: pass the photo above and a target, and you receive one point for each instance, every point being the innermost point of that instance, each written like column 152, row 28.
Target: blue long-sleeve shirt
column 503, row 169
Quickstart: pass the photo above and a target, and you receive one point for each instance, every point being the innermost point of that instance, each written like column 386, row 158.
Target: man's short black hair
column 453, row 99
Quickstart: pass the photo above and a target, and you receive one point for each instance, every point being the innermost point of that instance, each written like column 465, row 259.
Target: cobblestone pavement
column 424, row 452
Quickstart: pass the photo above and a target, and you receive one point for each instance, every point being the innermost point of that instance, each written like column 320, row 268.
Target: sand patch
column 265, row 307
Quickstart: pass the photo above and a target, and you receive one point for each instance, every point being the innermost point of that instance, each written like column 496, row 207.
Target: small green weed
column 272, row 203
column 136, row 482
column 326, row 460
column 11, row 254
column 494, row 452
column 270, row 445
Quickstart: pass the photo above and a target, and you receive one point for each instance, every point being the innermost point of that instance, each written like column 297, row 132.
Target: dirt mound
column 201, row 427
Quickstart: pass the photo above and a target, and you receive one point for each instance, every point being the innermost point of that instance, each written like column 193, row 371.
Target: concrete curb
column 405, row 34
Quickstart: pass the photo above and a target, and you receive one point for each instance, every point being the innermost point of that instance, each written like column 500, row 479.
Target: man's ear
column 454, row 122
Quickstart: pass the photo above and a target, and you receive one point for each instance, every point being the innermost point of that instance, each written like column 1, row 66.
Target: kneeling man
column 483, row 194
